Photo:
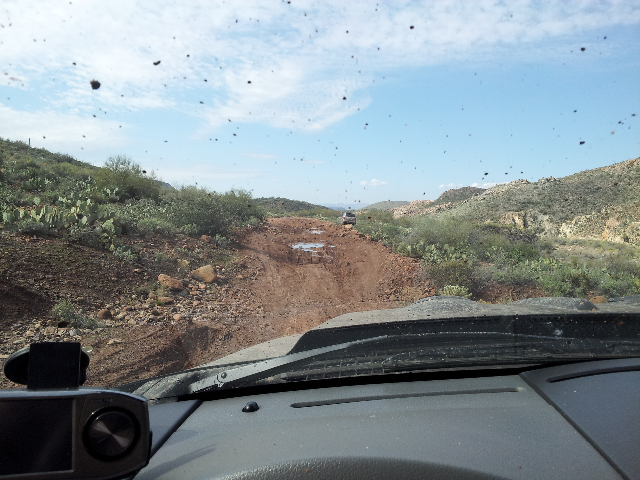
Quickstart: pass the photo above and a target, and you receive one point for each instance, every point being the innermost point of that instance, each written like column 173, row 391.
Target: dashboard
column 578, row 420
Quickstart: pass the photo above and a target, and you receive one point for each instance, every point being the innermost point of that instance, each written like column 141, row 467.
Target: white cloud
column 61, row 130
column 373, row 183
column 483, row 185
column 297, row 56
column 449, row 186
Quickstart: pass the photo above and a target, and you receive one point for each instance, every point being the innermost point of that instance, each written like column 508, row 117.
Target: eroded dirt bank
column 272, row 290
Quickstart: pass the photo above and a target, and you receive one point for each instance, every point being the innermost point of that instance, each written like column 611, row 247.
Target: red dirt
column 271, row 290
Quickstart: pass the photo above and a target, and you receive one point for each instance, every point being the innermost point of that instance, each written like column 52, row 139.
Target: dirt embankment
column 273, row 290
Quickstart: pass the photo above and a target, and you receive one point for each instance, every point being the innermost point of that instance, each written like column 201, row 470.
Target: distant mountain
column 344, row 206
column 457, row 195
column 387, row 205
column 602, row 203
column 282, row 205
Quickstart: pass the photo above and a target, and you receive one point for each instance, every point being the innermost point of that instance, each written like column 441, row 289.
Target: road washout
column 279, row 291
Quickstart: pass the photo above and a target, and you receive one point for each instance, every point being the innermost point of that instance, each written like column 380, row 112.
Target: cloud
column 373, row 183
column 449, row 186
column 298, row 57
column 61, row 130
column 484, row 185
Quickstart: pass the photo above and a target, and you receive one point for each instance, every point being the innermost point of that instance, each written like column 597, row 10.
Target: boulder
column 104, row 313
column 206, row 274
column 170, row 282
column 598, row 299
column 165, row 300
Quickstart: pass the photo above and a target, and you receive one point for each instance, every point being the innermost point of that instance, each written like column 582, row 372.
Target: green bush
column 450, row 272
column 131, row 181
column 455, row 290
column 65, row 311
column 125, row 253
column 197, row 211
column 29, row 226
column 155, row 225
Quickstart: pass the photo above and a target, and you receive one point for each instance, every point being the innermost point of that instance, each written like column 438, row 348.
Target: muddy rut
column 272, row 290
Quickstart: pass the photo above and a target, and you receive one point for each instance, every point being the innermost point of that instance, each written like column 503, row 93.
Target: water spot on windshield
column 307, row 247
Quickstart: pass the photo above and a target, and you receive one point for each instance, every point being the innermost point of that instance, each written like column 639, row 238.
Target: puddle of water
column 307, row 247
column 316, row 231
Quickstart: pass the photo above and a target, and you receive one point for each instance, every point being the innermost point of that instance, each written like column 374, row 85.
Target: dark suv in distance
column 348, row 217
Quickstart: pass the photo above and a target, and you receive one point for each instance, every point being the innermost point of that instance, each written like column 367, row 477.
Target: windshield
column 180, row 181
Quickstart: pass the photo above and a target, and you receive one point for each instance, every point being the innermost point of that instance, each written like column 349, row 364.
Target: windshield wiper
column 397, row 353
column 246, row 373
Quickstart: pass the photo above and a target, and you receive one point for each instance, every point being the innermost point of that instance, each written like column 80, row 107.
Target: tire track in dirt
column 299, row 289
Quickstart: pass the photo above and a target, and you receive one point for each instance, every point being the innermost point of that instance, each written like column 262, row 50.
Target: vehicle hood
column 434, row 308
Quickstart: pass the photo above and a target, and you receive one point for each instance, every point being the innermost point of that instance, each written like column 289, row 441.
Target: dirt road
column 273, row 290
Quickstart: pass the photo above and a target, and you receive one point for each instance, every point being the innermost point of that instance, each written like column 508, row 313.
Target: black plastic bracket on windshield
column 48, row 365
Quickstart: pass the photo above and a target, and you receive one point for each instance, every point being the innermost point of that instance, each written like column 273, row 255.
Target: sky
column 327, row 102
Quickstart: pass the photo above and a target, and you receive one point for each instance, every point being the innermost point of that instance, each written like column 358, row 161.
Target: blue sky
column 474, row 94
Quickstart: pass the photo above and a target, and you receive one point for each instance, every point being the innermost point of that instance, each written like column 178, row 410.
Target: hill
column 285, row 205
column 601, row 203
column 387, row 205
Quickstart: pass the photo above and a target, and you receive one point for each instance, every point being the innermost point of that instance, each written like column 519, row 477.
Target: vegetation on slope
column 386, row 205
column 473, row 255
column 53, row 194
column 280, row 207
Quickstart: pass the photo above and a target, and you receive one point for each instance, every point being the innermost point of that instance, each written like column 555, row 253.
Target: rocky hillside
column 603, row 203
column 387, row 205
column 278, row 204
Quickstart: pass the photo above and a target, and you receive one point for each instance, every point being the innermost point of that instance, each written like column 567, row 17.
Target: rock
column 205, row 238
column 196, row 303
column 155, row 312
column 348, row 227
column 153, row 318
column 177, row 317
column 49, row 331
column 170, row 282
column 72, row 332
column 240, row 277
column 109, row 323
column 120, row 316
column 599, row 299
column 104, row 313
column 132, row 323
column 115, row 341
column 206, row 274
column 165, row 300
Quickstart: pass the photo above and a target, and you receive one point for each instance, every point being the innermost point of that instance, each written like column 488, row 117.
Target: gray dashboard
column 573, row 421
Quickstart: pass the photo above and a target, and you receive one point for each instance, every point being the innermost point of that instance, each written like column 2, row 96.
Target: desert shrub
column 128, row 177
column 450, row 272
column 65, row 311
column 197, row 211
column 29, row 226
column 455, row 290
column 155, row 225
column 125, row 253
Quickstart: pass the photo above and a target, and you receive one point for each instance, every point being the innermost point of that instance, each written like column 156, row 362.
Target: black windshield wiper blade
column 234, row 377
column 393, row 353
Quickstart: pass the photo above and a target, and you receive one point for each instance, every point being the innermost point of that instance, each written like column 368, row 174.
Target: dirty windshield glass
column 180, row 181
